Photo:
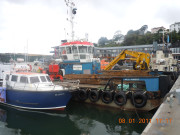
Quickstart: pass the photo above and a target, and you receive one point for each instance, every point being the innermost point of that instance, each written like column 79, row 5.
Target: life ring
column 107, row 97
column 120, row 98
column 93, row 95
column 139, row 99
column 30, row 67
column 82, row 95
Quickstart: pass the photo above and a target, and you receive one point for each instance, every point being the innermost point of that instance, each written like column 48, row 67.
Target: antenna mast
column 72, row 13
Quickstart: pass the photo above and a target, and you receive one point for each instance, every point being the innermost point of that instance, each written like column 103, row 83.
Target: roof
column 76, row 43
column 26, row 73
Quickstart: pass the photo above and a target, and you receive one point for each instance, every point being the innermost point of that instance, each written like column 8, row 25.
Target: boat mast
column 72, row 13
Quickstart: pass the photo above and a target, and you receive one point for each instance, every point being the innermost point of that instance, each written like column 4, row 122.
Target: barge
column 143, row 93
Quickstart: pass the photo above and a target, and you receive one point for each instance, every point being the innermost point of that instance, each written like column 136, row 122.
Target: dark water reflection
column 78, row 119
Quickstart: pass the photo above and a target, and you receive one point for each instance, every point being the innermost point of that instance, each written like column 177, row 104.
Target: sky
column 34, row 26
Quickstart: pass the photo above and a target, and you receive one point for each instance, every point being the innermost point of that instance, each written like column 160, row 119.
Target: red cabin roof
column 76, row 43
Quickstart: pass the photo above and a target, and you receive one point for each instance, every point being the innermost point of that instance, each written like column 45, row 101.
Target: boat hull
column 38, row 100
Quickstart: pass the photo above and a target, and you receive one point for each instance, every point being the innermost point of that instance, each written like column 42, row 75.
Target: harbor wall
column 166, row 120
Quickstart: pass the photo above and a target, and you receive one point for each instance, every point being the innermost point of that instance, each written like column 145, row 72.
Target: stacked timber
column 101, row 79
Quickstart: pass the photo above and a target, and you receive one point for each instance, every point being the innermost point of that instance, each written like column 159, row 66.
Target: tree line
column 134, row 38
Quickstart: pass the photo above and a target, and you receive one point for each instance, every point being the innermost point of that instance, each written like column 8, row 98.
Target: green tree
column 102, row 41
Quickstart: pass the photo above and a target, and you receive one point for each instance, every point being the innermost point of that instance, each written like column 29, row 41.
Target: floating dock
column 166, row 120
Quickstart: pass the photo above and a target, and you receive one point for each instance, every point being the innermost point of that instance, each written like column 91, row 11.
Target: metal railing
column 34, row 86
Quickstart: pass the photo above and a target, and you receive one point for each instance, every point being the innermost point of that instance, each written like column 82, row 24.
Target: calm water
column 78, row 119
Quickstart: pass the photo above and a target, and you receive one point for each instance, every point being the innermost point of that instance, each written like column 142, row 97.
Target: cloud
column 42, row 22
column 169, row 15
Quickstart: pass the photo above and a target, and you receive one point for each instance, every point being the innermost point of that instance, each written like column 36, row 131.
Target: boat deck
column 166, row 120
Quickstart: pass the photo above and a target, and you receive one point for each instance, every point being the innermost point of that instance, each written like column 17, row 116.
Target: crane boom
column 141, row 59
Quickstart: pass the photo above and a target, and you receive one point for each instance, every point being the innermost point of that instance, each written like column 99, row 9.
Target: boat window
column 23, row 79
column 34, row 79
column 76, row 56
column 74, row 49
column 68, row 50
column 82, row 56
column 63, row 50
column 43, row 79
column 64, row 57
column 14, row 78
column 90, row 49
column 82, row 49
column 47, row 77
column 7, row 77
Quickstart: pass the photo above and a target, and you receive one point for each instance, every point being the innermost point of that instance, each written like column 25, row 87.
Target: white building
column 175, row 26
column 156, row 29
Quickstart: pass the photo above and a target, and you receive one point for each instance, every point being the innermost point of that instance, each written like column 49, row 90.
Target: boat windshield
column 34, row 79
column 82, row 49
column 74, row 49
column 68, row 50
column 90, row 49
column 47, row 77
column 43, row 79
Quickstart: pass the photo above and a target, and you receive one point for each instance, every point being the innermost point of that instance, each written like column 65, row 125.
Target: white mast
column 72, row 13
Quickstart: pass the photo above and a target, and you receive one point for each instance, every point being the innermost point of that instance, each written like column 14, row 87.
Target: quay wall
column 166, row 120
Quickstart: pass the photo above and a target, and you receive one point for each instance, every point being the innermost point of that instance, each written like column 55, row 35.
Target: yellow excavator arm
column 141, row 60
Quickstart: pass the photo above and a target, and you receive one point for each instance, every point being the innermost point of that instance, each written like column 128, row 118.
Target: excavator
column 141, row 60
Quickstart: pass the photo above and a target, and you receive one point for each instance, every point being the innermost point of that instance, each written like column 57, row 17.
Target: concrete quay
column 166, row 120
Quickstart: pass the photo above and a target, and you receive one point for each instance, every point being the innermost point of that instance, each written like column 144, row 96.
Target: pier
column 166, row 120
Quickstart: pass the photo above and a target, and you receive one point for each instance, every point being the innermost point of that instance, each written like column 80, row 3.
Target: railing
column 34, row 86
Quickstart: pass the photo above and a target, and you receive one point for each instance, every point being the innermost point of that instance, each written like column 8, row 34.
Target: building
column 114, row 51
column 175, row 27
column 109, row 52
column 156, row 29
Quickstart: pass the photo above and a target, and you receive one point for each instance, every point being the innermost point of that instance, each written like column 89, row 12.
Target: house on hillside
column 156, row 29
column 175, row 26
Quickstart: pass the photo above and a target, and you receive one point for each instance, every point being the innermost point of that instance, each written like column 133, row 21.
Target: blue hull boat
column 38, row 99
column 33, row 91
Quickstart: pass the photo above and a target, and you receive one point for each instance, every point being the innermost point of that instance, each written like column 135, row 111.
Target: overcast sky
column 34, row 26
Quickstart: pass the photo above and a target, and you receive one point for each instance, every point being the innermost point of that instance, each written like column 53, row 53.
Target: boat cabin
column 76, row 50
column 28, row 81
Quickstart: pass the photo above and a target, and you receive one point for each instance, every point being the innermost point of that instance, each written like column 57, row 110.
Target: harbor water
column 77, row 119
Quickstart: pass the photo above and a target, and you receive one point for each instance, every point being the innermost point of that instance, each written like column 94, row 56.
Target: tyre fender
column 139, row 96
column 107, row 97
column 93, row 95
column 120, row 98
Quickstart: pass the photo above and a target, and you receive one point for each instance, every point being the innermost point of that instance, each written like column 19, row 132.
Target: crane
column 141, row 60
